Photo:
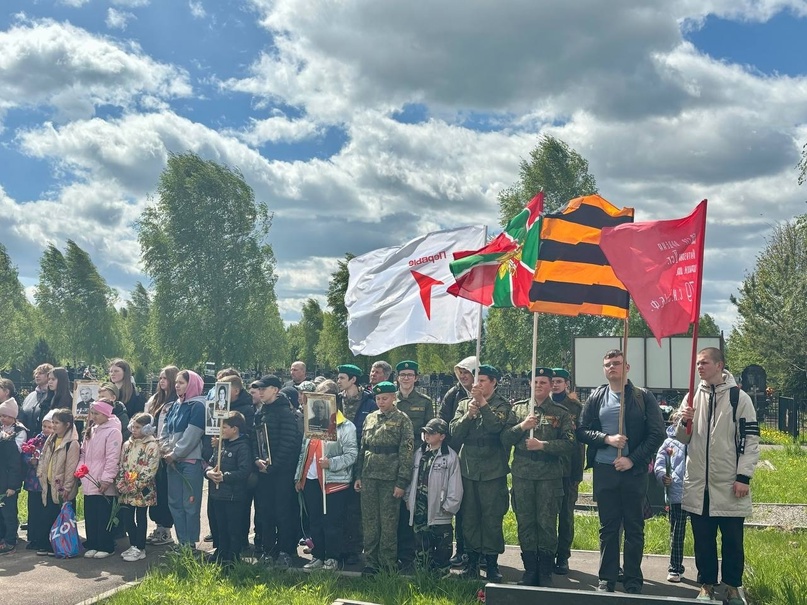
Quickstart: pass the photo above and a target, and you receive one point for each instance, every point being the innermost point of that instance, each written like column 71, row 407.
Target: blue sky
column 363, row 124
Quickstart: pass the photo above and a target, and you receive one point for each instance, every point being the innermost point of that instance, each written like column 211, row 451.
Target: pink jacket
column 101, row 453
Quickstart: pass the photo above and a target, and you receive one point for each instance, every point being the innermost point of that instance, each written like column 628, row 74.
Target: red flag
column 661, row 265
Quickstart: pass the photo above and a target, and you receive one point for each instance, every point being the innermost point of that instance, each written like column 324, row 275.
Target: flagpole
column 479, row 328
column 698, row 288
column 624, row 382
column 534, row 363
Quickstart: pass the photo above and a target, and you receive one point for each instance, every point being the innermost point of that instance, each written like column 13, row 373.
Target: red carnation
column 81, row 471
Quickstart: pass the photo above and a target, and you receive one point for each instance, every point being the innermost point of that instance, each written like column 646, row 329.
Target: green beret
column 384, row 387
column 490, row 371
column 407, row 365
column 561, row 373
column 350, row 370
column 543, row 372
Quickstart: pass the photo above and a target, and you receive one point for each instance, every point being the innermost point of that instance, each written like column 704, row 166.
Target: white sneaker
column 673, row 577
column 330, row 565
column 90, row 554
column 101, row 554
column 314, row 564
column 154, row 534
column 128, row 551
column 163, row 538
column 135, row 555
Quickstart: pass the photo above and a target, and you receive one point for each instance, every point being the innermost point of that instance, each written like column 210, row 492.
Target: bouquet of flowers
column 33, row 449
column 83, row 472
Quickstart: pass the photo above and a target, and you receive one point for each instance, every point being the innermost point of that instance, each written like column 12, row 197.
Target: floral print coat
column 139, row 462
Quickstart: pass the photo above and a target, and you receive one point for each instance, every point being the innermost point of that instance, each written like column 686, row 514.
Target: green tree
column 311, row 323
column 332, row 349
column 772, row 308
column 204, row 246
column 138, row 328
column 16, row 315
column 562, row 174
column 77, row 306
column 40, row 354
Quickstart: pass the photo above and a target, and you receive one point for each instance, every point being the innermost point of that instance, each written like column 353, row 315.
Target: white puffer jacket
column 719, row 450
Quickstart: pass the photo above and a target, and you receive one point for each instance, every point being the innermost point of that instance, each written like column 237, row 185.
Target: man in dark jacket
column 276, row 447
column 620, row 447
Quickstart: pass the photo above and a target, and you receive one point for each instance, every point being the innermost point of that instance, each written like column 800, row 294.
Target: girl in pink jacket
column 98, row 466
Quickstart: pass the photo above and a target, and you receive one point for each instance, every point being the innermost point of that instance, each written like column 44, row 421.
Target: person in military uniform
column 572, row 470
column 383, row 472
column 475, row 432
column 543, row 436
column 464, row 371
column 420, row 410
column 356, row 404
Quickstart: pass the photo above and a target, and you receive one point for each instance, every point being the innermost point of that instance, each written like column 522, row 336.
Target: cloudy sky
column 363, row 123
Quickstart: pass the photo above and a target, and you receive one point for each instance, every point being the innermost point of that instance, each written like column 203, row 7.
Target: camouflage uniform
column 538, row 480
column 420, row 410
column 483, row 463
column 385, row 462
column 572, row 476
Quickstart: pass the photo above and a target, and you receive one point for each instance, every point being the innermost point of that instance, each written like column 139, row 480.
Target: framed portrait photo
column 84, row 393
column 320, row 416
column 217, row 408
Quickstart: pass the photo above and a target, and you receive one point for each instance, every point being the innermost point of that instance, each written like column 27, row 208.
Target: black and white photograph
column 218, row 406
column 84, row 393
column 320, row 416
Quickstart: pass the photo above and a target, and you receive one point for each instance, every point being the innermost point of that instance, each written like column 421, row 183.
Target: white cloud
column 197, row 9
column 116, row 19
column 57, row 64
column 279, row 129
column 662, row 125
column 131, row 3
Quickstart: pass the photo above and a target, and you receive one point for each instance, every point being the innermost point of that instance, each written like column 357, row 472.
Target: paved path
column 35, row 580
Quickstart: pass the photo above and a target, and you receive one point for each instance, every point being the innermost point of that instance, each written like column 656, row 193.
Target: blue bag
column 64, row 534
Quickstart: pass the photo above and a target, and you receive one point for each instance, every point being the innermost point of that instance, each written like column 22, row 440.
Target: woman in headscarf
column 181, row 443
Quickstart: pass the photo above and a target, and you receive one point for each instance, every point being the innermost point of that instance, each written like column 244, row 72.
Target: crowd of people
column 391, row 484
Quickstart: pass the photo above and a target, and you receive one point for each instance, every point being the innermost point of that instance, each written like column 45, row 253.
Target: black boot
column 471, row 570
column 493, row 574
column 561, row 565
column 546, row 561
column 530, row 577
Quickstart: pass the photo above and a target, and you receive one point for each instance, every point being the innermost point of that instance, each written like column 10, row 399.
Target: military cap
column 270, row 380
column 436, row 425
column 543, row 372
column 561, row 373
column 350, row 370
column 384, row 387
column 490, row 371
column 407, row 365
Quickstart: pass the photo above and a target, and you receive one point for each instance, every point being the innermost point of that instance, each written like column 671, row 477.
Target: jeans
column 185, row 500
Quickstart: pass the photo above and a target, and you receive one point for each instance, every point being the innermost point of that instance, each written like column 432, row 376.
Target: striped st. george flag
column 572, row 275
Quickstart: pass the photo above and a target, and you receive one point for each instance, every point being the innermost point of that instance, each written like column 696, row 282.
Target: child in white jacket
column 434, row 496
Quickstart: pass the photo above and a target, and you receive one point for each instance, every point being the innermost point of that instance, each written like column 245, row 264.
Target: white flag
column 397, row 296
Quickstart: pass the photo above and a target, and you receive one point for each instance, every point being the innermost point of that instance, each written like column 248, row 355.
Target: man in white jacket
column 722, row 451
